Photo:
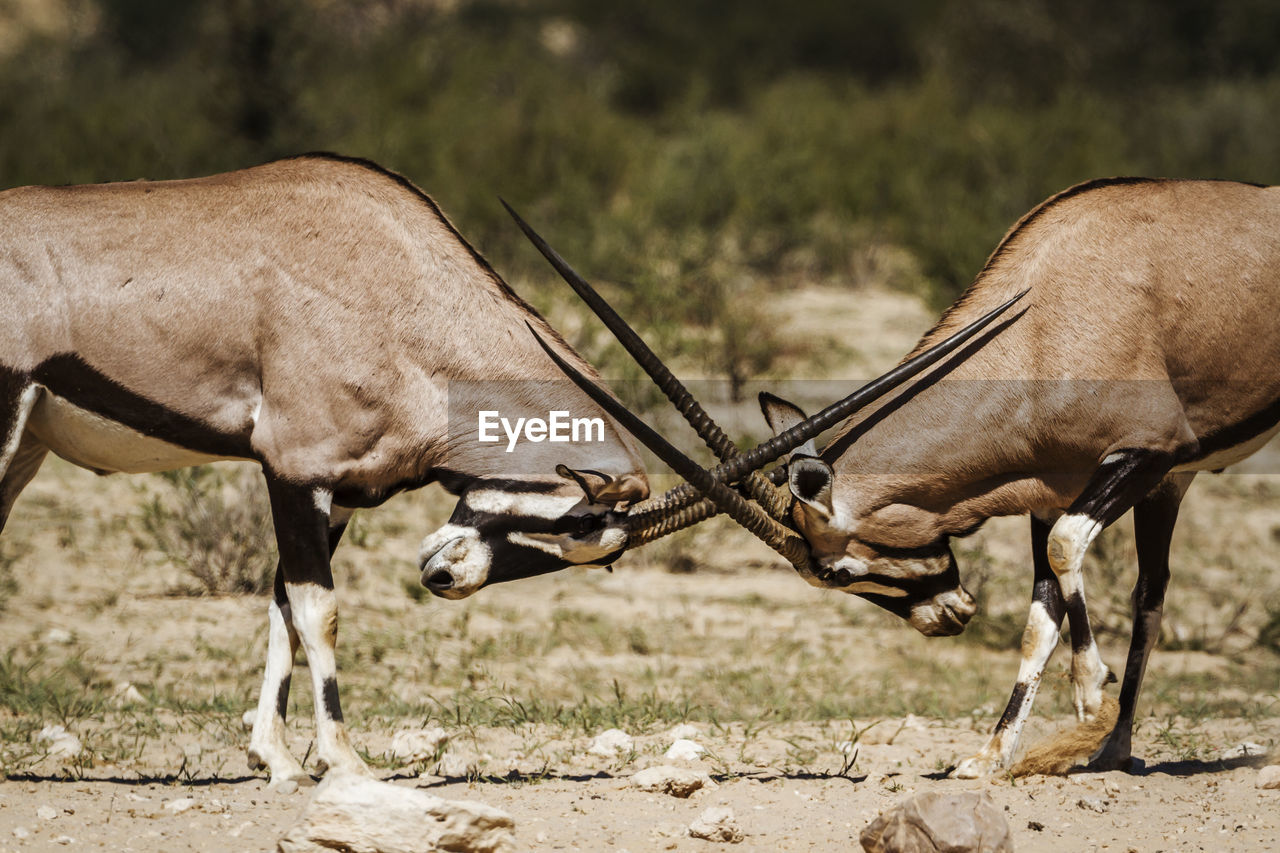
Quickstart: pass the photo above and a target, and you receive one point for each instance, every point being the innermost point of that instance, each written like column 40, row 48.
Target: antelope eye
column 588, row 523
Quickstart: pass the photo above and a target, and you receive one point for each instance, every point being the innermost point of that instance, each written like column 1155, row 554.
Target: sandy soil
column 736, row 641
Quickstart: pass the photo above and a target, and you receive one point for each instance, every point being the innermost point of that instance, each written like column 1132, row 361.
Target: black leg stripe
column 332, row 707
column 282, row 697
column 1016, row 699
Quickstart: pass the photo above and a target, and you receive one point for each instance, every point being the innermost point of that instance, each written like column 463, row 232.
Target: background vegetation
column 699, row 151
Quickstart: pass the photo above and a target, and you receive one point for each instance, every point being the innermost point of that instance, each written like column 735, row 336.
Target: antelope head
column 793, row 507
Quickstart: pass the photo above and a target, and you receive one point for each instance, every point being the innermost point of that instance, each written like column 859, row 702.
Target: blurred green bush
column 702, row 153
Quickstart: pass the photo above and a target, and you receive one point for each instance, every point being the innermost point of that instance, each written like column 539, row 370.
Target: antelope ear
column 810, row 481
column 601, row 488
column 782, row 416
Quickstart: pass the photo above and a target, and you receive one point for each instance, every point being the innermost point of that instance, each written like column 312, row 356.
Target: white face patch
column 459, row 551
column 498, row 502
column 580, row 552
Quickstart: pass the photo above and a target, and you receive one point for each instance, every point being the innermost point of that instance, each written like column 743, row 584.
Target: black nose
column 440, row 580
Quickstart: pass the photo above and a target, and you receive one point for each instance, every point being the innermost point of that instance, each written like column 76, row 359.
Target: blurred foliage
column 704, row 154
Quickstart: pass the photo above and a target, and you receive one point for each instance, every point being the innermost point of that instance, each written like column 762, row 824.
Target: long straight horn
column 782, row 539
column 788, row 440
column 774, row 501
column 659, row 507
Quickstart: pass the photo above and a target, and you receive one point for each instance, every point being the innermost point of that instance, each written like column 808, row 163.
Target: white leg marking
column 267, row 744
column 1039, row 639
column 1069, row 539
column 26, row 400
column 315, row 616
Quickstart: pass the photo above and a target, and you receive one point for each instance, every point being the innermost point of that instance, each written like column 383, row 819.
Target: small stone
column 1091, row 804
column 936, row 822
column 414, row 745
column 21, row 832
column 684, row 750
column 126, row 694
column 675, row 781
column 716, row 824
column 353, row 812
column 57, row 637
column 684, row 730
column 456, row 765
column 180, row 805
column 1269, row 777
column 64, row 840
column 287, row 787
column 47, row 813
column 58, row 742
column 610, row 742
column 1247, row 749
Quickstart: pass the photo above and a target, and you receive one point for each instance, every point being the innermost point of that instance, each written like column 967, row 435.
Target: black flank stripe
column 70, row 377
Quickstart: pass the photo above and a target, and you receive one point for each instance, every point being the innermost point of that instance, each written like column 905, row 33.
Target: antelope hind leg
column 1153, row 522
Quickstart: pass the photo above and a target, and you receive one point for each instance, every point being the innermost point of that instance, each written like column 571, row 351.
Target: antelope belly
column 101, row 444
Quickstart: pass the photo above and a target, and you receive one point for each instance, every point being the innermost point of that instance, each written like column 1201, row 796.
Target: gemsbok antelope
column 1145, row 351
column 321, row 317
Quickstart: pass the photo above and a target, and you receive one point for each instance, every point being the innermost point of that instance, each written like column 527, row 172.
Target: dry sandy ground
column 773, row 675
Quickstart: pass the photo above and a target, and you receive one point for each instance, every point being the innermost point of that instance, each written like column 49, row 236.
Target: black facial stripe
column 70, row 377
column 922, row 552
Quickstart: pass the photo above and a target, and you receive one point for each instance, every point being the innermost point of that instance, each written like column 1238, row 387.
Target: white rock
column 414, row 745
column 57, row 637
column 610, row 742
column 126, row 694
column 716, row 824
column 1269, row 777
column 1243, row 750
column 454, row 764
column 59, row 742
column 684, row 750
column 64, row 840
column 21, row 832
column 676, row 781
column 684, row 730
column 351, row 812
column 47, row 813
column 247, row 719
column 286, row 787
column 180, row 805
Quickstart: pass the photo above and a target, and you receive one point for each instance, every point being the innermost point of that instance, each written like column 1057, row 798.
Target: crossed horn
column 706, row 491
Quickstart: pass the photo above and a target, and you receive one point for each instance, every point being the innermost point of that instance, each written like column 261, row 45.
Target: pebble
column 716, row 824
column 684, row 750
column 21, row 832
column 180, row 805
column 683, row 730
column 1269, row 777
column 47, row 813
column 676, row 781
column 57, row 637
column 1244, row 750
column 610, row 742
column 413, row 745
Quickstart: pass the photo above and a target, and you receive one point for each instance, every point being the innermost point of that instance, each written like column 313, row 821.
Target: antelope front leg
column 268, row 746
column 304, row 535
column 1068, row 541
column 1039, row 639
